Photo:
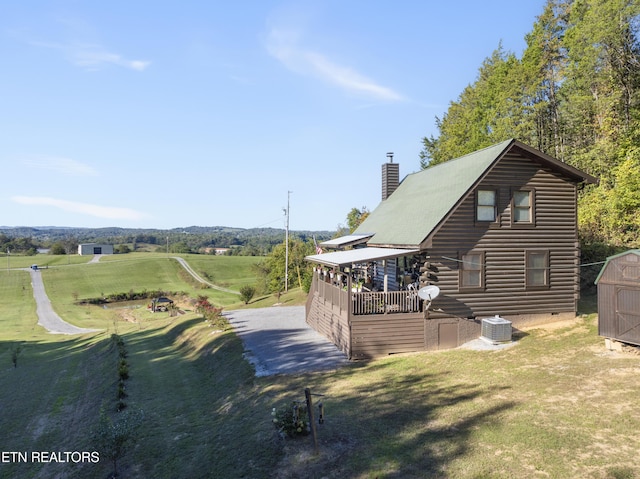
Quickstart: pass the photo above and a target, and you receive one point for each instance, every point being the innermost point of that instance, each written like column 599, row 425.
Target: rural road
column 47, row 317
column 277, row 340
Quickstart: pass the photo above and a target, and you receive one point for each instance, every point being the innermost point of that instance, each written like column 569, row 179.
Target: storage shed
column 619, row 297
column 95, row 248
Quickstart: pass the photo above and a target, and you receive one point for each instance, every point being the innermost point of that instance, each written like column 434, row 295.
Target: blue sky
column 171, row 114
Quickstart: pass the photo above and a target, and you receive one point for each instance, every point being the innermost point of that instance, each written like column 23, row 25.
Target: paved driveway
column 277, row 340
column 47, row 317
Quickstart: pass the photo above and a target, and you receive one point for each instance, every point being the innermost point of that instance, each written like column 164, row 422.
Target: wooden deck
column 373, row 324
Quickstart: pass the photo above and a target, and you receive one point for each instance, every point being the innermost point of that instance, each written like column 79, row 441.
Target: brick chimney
column 390, row 177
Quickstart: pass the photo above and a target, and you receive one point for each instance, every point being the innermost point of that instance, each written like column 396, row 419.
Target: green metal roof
column 424, row 199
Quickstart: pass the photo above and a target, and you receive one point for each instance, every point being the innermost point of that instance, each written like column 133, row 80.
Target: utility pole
column 286, row 249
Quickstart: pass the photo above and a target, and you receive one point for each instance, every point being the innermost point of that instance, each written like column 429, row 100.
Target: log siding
column 505, row 245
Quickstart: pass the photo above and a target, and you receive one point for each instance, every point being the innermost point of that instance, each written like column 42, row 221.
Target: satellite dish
column 429, row 293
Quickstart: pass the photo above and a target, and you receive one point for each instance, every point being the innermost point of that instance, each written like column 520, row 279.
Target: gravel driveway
column 278, row 340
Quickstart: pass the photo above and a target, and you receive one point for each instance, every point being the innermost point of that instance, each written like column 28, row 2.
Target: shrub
column 123, row 369
column 209, row 311
column 292, row 420
column 112, row 438
column 122, row 249
column 246, row 293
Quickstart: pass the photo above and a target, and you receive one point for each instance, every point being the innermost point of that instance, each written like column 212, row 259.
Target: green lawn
column 17, row 307
column 228, row 271
column 556, row 404
column 66, row 283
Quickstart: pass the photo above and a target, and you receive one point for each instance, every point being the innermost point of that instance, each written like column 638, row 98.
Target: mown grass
column 17, row 307
column 227, row 271
column 42, row 260
column 556, row 404
column 137, row 272
column 182, row 375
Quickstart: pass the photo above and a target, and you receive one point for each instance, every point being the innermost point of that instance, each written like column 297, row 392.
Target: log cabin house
column 495, row 231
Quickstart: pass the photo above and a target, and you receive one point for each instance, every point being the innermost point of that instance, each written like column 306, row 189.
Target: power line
column 519, row 268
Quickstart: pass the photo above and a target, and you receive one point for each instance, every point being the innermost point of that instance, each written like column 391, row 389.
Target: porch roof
column 347, row 240
column 361, row 255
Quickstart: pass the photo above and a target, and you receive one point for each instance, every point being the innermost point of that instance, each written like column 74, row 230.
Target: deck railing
column 368, row 302
column 389, row 302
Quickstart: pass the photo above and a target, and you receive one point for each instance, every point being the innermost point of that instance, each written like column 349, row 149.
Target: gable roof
column 424, row 199
column 612, row 258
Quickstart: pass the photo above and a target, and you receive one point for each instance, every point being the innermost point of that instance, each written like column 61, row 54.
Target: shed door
column 628, row 314
column 97, row 250
column 447, row 335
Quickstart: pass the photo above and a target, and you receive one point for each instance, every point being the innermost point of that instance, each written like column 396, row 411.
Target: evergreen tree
column 574, row 95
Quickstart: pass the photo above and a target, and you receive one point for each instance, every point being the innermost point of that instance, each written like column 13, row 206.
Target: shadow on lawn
column 387, row 423
column 194, row 387
column 199, row 400
column 178, row 340
column 50, row 402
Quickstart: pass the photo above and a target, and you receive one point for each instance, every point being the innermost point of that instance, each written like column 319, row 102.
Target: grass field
column 555, row 404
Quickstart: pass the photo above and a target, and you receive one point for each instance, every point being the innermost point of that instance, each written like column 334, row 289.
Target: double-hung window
column 486, row 205
column 522, row 207
column 537, row 269
column 472, row 271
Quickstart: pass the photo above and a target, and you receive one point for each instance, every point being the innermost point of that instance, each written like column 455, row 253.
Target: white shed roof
column 347, row 240
column 360, row 255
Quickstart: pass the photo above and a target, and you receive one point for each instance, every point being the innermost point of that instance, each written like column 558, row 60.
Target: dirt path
column 47, row 317
column 188, row 269
column 197, row 277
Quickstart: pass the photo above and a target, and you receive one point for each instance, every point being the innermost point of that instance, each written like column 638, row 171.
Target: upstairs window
column 472, row 271
column 486, row 205
column 522, row 207
column 537, row 269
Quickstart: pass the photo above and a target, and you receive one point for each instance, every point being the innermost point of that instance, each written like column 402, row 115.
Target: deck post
column 350, row 303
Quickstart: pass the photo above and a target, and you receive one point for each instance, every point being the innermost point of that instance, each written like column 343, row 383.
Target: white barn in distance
column 94, row 248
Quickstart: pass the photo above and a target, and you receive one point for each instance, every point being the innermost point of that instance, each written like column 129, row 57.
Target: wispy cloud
column 107, row 212
column 65, row 166
column 283, row 44
column 92, row 56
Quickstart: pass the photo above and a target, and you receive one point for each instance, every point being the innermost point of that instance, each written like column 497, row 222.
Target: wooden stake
column 312, row 422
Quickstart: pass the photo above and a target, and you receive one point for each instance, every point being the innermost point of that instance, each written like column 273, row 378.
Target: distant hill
column 66, row 231
column 195, row 237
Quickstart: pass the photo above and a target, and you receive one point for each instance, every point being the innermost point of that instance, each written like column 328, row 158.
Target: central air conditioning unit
column 496, row 330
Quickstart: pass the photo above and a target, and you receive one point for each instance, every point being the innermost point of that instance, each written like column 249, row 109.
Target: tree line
column 248, row 242
column 574, row 94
